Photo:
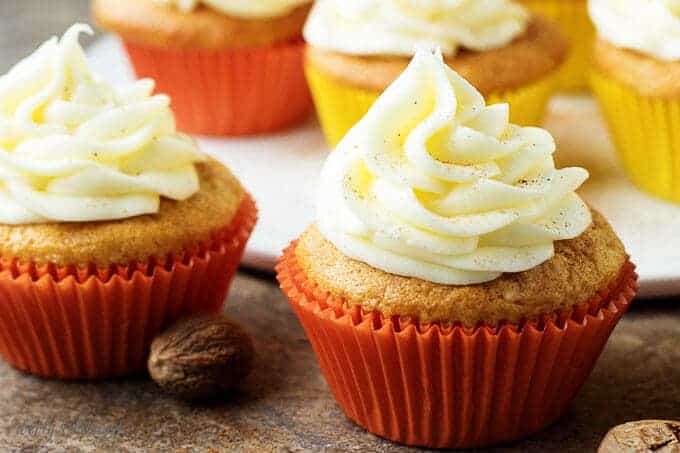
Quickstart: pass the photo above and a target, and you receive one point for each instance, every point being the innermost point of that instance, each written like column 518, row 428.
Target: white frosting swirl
column 434, row 184
column 249, row 9
column 651, row 27
column 72, row 148
column 394, row 27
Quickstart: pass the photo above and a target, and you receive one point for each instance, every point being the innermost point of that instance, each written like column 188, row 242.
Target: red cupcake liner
column 73, row 322
column 450, row 386
column 229, row 92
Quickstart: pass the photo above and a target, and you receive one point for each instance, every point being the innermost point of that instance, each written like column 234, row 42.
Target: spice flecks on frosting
column 394, row 27
column 433, row 183
column 73, row 148
column 253, row 9
column 651, row 27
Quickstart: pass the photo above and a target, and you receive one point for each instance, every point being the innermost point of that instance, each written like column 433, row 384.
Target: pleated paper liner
column 572, row 18
column 92, row 323
column 229, row 92
column 528, row 103
column 449, row 386
column 340, row 105
column 646, row 133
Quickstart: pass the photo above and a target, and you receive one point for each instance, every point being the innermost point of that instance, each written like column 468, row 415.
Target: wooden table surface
column 285, row 405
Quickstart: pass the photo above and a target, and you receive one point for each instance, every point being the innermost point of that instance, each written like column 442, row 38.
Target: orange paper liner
column 450, row 386
column 229, row 92
column 89, row 322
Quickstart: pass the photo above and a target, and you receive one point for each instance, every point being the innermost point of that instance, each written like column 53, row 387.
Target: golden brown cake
column 649, row 76
column 540, row 51
column 146, row 22
column 178, row 225
column 579, row 269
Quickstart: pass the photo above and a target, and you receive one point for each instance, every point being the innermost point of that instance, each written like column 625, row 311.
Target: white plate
column 281, row 170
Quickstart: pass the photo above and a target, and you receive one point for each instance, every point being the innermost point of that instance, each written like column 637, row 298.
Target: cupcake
column 455, row 289
column 355, row 50
column 230, row 67
column 112, row 225
column 636, row 78
column 571, row 16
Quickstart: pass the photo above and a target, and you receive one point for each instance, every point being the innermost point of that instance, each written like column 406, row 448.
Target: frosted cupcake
column 231, row 67
column 571, row 16
column 636, row 78
column 456, row 290
column 355, row 50
column 112, row 224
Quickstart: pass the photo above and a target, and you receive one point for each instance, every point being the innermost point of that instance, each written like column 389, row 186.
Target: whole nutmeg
column 201, row 357
column 659, row 436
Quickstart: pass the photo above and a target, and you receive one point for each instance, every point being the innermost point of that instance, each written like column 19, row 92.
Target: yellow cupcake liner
column 340, row 105
column 646, row 133
column 572, row 18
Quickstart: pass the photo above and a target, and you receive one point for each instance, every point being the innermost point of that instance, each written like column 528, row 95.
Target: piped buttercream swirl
column 651, row 27
column 394, row 27
column 433, row 183
column 73, row 148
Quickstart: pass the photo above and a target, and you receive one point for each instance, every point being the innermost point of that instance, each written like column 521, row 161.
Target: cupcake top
column 434, row 184
column 74, row 149
column 581, row 268
column 176, row 227
column 156, row 24
column 393, row 27
column 651, row 27
column 240, row 8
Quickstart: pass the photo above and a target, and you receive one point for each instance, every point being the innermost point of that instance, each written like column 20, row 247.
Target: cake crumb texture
column 146, row 22
column 178, row 224
column 649, row 76
column 540, row 51
column 580, row 268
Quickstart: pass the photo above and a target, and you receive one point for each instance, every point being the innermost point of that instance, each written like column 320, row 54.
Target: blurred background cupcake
column 455, row 288
column 112, row 224
column 230, row 67
column 356, row 49
column 571, row 16
column 636, row 78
